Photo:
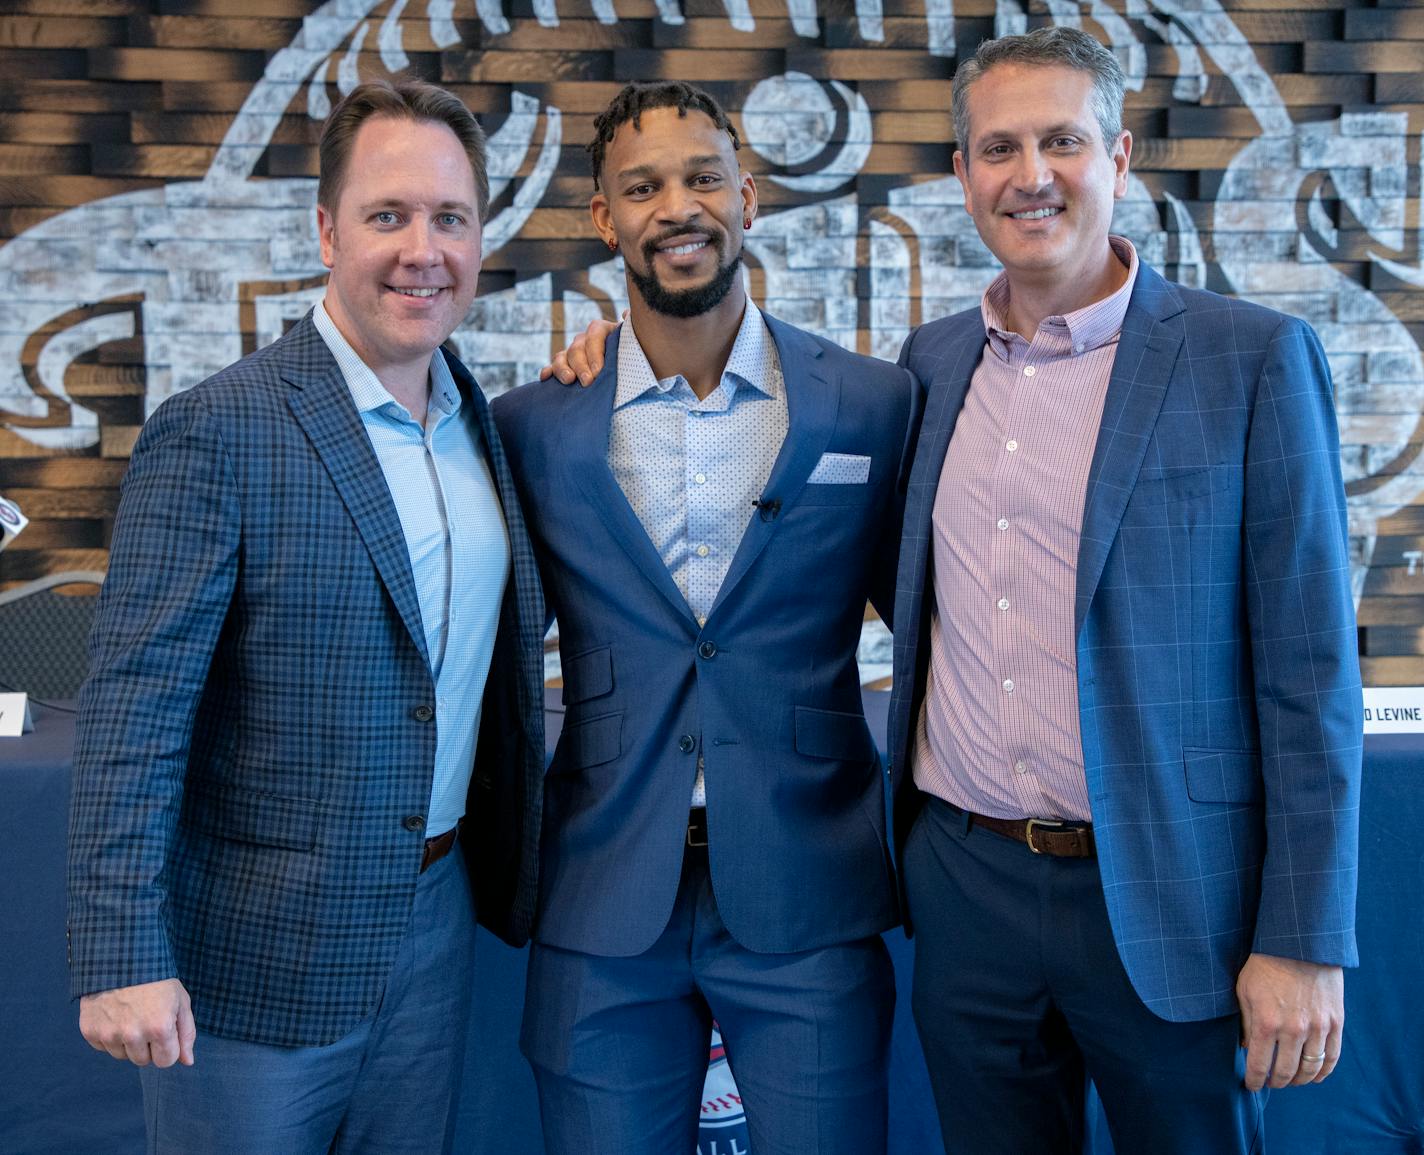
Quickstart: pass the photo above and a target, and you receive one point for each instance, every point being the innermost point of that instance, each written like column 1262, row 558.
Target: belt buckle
column 700, row 828
column 1028, row 831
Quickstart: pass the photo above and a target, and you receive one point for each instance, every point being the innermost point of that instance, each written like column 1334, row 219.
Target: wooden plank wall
column 1284, row 163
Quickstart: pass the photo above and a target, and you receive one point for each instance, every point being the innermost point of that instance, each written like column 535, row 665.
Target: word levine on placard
column 1394, row 709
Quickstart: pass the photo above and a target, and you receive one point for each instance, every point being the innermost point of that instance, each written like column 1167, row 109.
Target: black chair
column 44, row 634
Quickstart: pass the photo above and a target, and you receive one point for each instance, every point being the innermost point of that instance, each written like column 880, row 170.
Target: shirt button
column 703, row 551
column 1008, row 685
column 1011, row 446
column 707, row 649
column 415, row 822
column 701, row 619
column 699, row 478
column 1020, row 767
column 1003, row 603
column 1002, row 523
column 1029, row 370
column 422, row 713
column 1079, row 347
column 686, row 743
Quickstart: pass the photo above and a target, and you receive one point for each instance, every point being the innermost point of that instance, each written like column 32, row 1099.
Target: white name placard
column 15, row 715
column 1394, row 709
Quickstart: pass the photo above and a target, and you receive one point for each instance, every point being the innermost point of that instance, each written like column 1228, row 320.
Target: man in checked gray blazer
column 311, row 744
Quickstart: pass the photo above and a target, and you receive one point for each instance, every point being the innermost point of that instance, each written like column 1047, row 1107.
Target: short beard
column 682, row 303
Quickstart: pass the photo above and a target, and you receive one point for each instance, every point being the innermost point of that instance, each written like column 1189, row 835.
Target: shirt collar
column 1088, row 328
column 366, row 389
column 753, row 362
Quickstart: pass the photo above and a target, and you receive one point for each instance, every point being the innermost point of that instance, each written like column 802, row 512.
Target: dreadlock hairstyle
column 642, row 96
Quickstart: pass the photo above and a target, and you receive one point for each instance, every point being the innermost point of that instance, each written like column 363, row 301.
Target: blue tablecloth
column 59, row 1097
column 1374, row 1102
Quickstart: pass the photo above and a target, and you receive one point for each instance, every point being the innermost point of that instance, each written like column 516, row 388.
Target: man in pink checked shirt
column 1126, row 684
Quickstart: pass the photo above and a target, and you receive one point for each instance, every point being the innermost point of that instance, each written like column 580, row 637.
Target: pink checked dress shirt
column 999, row 733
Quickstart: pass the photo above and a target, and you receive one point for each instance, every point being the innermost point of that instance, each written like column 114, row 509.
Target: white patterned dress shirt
column 691, row 469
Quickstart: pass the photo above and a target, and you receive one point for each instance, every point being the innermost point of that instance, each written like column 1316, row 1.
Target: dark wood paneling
column 101, row 97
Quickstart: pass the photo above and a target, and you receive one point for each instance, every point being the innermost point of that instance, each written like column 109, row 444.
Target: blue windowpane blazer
column 1218, row 678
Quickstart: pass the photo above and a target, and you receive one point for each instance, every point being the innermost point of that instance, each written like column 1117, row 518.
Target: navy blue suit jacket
column 1218, row 682
column 251, row 738
column 768, row 690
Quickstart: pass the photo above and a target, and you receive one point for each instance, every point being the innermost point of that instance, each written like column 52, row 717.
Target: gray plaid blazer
column 251, row 737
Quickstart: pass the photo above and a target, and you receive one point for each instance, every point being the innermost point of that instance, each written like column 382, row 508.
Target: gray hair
column 1044, row 47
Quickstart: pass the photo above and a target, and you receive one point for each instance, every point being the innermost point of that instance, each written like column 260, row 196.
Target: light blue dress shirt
column 691, row 469
column 455, row 536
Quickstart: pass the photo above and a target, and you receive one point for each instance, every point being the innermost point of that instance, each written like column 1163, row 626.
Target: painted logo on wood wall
column 202, row 271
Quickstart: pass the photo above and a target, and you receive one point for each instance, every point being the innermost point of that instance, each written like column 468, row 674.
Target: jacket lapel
column 1146, row 356
column 322, row 405
column 813, row 397
column 528, row 601
column 587, row 415
column 945, row 391
column 946, row 382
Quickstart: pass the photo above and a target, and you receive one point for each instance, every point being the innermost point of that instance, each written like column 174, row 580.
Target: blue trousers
column 1020, row 995
column 390, row 1086
column 619, row 1046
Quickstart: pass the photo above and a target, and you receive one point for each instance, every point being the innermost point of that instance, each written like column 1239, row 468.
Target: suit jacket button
column 422, row 713
column 707, row 649
column 687, row 743
column 414, row 823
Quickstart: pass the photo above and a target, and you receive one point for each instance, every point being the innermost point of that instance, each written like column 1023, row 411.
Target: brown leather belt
column 1058, row 839
column 438, row 847
column 697, row 827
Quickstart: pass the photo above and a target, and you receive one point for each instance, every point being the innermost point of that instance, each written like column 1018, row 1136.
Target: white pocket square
column 840, row 469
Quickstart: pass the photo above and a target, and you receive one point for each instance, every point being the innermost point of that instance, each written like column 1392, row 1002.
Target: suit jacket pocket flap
column 832, row 734
column 1223, row 775
column 1156, row 487
column 592, row 741
column 252, row 816
column 588, row 675
column 817, row 493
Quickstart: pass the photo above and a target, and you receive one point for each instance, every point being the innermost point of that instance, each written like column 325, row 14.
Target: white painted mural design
column 190, row 266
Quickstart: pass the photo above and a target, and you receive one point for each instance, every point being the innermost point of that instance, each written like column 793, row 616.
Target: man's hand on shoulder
column 583, row 359
column 1292, row 1012
column 148, row 1023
